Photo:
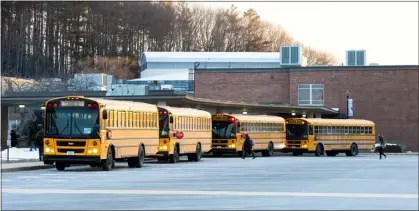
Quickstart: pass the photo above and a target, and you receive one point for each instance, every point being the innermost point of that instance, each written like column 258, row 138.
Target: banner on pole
column 350, row 107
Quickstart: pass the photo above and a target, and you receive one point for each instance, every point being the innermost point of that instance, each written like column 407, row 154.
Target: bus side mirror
column 105, row 114
column 171, row 119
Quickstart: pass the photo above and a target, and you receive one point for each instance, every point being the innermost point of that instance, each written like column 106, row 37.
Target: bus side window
column 329, row 129
column 310, row 130
column 358, row 130
column 369, row 130
column 110, row 118
column 316, row 129
column 362, row 130
column 138, row 120
column 129, row 119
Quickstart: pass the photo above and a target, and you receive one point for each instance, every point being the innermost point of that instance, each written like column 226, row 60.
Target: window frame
column 311, row 89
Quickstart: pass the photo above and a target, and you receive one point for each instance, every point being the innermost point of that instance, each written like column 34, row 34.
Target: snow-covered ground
column 19, row 154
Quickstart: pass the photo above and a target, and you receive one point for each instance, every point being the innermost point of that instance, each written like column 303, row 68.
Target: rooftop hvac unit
column 290, row 55
column 355, row 58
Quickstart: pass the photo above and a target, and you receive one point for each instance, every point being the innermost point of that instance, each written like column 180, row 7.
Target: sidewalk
column 23, row 166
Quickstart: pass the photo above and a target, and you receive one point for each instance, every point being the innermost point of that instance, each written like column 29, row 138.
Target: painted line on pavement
column 186, row 192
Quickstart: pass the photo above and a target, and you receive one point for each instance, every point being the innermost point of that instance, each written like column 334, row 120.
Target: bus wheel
column 60, row 166
column 139, row 162
column 319, row 150
column 175, row 157
column 108, row 163
column 271, row 150
column 353, row 150
column 197, row 156
column 331, row 153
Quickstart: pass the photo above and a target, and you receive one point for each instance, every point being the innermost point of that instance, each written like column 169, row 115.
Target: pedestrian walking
column 13, row 138
column 40, row 141
column 382, row 146
column 247, row 146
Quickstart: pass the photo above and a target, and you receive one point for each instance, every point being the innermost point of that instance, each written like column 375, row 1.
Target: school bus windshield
column 71, row 122
column 296, row 131
column 223, row 129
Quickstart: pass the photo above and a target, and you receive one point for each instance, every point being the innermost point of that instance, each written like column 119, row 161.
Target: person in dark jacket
column 382, row 146
column 40, row 141
column 13, row 138
column 247, row 146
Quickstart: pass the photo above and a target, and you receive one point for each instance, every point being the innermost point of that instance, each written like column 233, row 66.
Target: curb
column 27, row 168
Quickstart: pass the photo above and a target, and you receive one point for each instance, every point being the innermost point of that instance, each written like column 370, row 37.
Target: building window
column 311, row 94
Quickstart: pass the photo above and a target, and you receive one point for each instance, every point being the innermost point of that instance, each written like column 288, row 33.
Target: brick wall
column 387, row 96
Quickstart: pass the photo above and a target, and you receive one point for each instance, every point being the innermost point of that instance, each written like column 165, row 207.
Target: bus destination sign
column 72, row 103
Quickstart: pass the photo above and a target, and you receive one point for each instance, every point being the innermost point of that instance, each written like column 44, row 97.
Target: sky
column 387, row 31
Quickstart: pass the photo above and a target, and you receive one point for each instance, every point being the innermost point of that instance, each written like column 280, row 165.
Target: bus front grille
column 74, row 150
column 71, row 143
column 219, row 143
column 294, row 143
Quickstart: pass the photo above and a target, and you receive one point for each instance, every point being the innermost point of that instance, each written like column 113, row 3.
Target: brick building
column 387, row 95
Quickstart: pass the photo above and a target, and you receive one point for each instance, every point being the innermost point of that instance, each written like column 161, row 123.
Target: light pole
column 348, row 93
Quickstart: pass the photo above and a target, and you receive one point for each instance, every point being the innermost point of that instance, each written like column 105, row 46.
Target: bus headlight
column 94, row 150
column 164, row 147
column 281, row 146
column 305, row 146
column 47, row 149
column 233, row 146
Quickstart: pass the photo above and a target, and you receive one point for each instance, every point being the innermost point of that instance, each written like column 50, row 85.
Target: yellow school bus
column 267, row 131
column 98, row 132
column 183, row 131
column 330, row 136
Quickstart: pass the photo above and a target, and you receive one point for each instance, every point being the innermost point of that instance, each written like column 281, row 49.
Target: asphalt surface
column 351, row 183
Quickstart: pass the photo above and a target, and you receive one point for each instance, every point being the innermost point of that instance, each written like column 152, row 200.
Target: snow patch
column 19, row 154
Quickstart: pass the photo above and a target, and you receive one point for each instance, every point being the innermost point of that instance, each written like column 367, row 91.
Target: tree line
column 58, row 39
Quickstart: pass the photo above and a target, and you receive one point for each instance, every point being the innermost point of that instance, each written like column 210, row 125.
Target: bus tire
column 60, row 166
column 108, row 162
column 271, row 149
column 175, row 156
column 197, row 155
column 319, row 150
column 353, row 151
column 139, row 161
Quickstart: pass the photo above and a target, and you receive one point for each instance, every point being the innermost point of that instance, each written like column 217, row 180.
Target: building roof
column 211, row 56
column 313, row 68
column 176, row 76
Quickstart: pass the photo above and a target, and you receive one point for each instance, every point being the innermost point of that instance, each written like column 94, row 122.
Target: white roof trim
column 212, row 56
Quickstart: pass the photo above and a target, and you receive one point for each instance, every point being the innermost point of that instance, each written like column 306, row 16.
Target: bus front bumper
column 72, row 159
column 223, row 150
column 289, row 149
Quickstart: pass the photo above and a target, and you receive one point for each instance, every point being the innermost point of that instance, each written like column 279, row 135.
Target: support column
column 4, row 125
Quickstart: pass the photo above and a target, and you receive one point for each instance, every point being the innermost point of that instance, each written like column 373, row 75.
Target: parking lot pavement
column 362, row 182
